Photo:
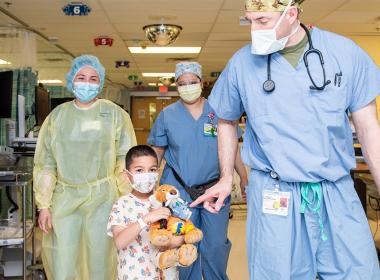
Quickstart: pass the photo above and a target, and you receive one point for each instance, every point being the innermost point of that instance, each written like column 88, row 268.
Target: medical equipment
column 14, row 232
column 269, row 85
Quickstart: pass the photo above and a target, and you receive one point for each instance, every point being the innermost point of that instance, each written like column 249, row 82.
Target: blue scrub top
column 302, row 134
column 192, row 154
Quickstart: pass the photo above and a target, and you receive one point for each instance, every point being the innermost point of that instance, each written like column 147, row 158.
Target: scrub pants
column 284, row 248
column 214, row 249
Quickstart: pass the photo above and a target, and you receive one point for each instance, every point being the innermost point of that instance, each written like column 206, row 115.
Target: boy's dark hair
column 139, row 151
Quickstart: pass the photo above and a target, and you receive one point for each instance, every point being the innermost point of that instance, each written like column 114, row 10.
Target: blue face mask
column 85, row 92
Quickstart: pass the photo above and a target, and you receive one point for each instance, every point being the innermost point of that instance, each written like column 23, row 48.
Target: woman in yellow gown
column 77, row 177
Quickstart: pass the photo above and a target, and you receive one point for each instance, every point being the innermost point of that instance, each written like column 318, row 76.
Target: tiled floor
column 237, row 264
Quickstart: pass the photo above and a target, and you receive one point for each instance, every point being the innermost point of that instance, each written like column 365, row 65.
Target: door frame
column 147, row 94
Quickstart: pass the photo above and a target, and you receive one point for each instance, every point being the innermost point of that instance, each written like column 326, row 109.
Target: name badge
column 276, row 202
column 210, row 130
column 90, row 125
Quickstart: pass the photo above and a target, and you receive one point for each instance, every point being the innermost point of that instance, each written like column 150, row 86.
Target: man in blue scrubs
column 304, row 216
column 185, row 134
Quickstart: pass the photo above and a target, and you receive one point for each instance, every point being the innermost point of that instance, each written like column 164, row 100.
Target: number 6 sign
column 76, row 9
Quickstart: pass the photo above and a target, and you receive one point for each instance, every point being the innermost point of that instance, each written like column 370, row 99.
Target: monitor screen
column 6, row 84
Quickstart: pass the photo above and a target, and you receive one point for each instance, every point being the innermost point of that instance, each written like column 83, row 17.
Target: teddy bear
column 161, row 232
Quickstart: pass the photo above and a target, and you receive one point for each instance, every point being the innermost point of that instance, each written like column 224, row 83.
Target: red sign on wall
column 103, row 41
column 163, row 89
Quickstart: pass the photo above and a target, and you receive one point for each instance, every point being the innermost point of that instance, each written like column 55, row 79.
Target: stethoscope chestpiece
column 269, row 86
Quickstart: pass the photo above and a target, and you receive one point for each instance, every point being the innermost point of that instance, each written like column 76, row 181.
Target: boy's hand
column 156, row 215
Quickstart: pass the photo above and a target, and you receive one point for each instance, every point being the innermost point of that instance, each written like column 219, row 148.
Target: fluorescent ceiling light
column 3, row 62
column 50, row 81
column 152, row 84
column 165, row 49
column 158, row 75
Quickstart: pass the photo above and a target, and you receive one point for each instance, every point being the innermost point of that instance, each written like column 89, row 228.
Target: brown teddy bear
column 178, row 223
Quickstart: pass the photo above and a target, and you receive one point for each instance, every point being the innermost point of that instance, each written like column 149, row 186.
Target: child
column 131, row 216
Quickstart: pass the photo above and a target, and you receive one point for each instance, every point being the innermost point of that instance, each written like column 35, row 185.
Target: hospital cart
column 12, row 178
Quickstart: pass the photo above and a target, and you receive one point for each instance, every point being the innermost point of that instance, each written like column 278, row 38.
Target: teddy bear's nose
column 173, row 192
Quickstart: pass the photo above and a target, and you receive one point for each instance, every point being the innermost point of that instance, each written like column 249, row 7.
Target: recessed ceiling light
column 152, row 50
column 50, row 81
column 158, row 74
column 3, row 62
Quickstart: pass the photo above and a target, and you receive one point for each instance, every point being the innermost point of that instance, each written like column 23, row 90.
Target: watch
column 142, row 223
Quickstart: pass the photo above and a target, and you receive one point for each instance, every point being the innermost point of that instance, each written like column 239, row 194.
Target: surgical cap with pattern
column 188, row 67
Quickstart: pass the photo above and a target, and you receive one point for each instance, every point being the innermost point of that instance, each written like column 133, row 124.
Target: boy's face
column 143, row 164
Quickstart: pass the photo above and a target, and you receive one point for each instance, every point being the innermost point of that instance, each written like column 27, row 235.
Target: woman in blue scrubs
column 185, row 134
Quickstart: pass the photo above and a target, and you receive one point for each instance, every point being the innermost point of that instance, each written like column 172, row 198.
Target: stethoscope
column 269, row 84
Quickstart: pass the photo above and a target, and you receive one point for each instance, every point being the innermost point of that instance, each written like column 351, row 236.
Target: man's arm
column 368, row 131
column 227, row 147
column 240, row 169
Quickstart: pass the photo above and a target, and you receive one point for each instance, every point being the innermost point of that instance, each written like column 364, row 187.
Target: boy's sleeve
column 119, row 216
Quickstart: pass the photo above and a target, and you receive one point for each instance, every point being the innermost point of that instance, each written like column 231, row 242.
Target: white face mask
column 190, row 93
column 265, row 42
column 144, row 182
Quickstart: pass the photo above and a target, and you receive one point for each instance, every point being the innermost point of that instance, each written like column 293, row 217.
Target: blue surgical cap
column 78, row 63
column 188, row 67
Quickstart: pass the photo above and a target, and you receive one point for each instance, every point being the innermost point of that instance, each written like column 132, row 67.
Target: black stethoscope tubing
column 269, row 85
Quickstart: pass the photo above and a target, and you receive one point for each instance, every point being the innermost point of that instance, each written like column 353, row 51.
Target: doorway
column 144, row 111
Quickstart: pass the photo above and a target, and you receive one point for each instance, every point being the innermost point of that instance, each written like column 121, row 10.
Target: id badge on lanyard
column 276, row 202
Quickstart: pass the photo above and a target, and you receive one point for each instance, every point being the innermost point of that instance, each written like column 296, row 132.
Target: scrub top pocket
column 332, row 99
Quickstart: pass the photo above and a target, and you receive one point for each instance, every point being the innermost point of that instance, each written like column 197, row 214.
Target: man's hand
column 213, row 198
column 243, row 186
